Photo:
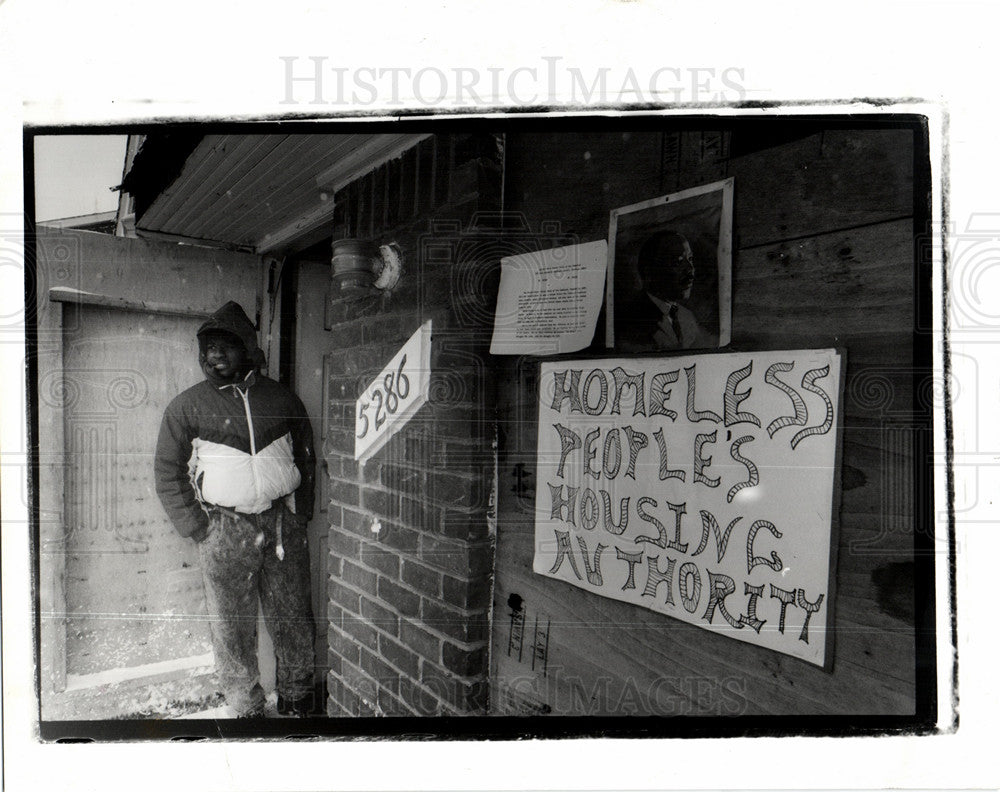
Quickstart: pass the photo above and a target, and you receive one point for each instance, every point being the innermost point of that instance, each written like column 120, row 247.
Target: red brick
column 441, row 684
column 362, row 631
column 334, row 687
column 344, row 545
column 402, row 478
column 463, row 661
column 343, row 387
column 466, row 454
column 349, row 308
column 334, row 615
column 468, row 695
column 463, row 593
column 450, row 353
column 399, row 538
column 339, row 411
column 343, row 596
column 377, row 330
column 401, row 657
column 344, row 492
column 349, row 333
column 378, row 669
column 343, row 645
column 356, row 363
column 357, row 522
column 419, row 640
column 423, row 579
column 460, row 421
column 333, row 661
column 349, row 467
column 381, row 559
column 462, row 559
column 341, row 440
column 418, row 514
column 372, row 473
column 403, row 600
column 464, row 626
column 351, row 702
column 385, row 504
column 391, row 706
column 448, row 489
column 463, row 525
column 423, row 702
column 334, row 696
column 418, row 448
column 388, row 680
column 364, row 579
column 331, row 463
column 334, row 515
column 361, row 682
column 381, row 617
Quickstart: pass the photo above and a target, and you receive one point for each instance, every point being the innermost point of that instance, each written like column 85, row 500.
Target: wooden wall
column 823, row 257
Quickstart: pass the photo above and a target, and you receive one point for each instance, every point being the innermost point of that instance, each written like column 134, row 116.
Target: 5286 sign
column 385, row 400
column 394, row 396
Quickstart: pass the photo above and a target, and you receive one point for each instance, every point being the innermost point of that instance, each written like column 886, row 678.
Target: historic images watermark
column 318, row 80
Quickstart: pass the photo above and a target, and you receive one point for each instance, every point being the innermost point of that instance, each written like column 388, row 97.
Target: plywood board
column 134, row 592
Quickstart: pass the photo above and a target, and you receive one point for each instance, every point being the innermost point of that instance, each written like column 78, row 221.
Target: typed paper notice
column 549, row 300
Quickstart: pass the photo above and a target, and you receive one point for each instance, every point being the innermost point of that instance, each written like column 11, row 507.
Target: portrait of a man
column 669, row 272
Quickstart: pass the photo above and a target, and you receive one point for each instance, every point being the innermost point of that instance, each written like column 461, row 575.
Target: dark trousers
column 240, row 564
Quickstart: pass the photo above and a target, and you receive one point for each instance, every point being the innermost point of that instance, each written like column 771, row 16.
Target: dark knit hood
column 232, row 319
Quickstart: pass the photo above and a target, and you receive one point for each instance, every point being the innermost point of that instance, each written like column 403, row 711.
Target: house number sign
column 394, row 396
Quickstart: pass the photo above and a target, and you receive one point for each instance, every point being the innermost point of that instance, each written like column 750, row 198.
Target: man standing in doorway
column 235, row 470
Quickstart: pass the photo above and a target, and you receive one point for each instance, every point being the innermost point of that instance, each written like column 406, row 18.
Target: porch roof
column 257, row 192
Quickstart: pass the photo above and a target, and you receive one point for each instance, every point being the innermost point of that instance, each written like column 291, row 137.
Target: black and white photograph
column 670, row 272
column 284, row 487
column 413, row 396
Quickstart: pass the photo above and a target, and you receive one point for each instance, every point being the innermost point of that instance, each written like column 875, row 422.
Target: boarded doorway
column 133, row 590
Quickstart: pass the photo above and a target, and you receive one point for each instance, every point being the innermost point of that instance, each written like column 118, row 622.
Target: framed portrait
column 669, row 284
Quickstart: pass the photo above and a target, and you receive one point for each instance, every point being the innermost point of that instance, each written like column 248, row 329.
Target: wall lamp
column 360, row 266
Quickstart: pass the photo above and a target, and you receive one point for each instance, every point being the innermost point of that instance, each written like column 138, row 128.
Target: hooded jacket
column 239, row 445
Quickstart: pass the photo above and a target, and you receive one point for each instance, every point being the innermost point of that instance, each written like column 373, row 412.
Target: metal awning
column 262, row 193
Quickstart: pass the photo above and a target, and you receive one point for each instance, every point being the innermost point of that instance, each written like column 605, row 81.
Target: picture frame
column 688, row 305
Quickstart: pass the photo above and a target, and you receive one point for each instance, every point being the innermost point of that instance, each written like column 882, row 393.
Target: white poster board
column 701, row 487
column 394, row 396
column 549, row 300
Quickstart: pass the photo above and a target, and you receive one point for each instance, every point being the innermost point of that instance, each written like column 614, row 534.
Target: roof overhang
column 270, row 193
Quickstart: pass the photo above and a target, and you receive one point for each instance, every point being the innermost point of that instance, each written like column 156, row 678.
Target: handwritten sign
column 394, row 396
column 700, row 487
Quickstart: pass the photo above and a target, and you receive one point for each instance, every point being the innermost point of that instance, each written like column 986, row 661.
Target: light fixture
column 360, row 266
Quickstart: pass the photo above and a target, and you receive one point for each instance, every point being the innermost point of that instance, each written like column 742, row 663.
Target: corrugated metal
column 259, row 191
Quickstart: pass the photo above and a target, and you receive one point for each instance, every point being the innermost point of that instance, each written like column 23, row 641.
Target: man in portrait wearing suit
column 658, row 318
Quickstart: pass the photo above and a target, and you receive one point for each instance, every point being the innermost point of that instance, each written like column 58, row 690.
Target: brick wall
column 411, row 539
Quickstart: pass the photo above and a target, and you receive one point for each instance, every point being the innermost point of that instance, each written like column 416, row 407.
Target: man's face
column 226, row 356
column 673, row 277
